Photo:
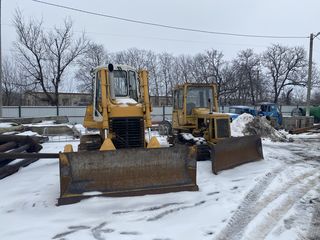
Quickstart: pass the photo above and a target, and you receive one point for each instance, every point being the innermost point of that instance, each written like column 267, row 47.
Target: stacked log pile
column 13, row 145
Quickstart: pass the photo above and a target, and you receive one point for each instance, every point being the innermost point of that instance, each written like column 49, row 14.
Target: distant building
column 65, row 99
column 80, row 99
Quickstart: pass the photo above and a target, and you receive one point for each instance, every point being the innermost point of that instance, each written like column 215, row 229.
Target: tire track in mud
column 274, row 215
column 251, row 206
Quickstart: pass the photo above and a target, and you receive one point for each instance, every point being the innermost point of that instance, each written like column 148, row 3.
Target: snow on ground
column 268, row 199
column 80, row 128
column 161, row 139
column 46, row 123
column 28, row 133
column 7, row 124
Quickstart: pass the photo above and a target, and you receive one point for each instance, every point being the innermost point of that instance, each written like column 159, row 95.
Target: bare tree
column 14, row 84
column 285, row 66
column 10, row 79
column 46, row 56
column 247, row 65
column 94, row 56
column 166, row 64
column 316, row 98
column 215, row 64
column 183, row 69
column 133, row 57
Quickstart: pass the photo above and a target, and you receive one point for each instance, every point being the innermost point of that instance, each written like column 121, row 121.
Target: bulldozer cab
column 122, row 87
column 196, row 110
column 191, row 100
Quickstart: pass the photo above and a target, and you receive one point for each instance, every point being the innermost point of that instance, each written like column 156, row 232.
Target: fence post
column 163, row 113
column 19, row 110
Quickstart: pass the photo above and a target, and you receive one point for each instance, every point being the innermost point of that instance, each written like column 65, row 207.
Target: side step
column 126, row 172
column 231, row 152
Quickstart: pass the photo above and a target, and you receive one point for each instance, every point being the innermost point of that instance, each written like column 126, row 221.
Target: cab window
column 120, row 83
column 133, row 89
column 178, row 99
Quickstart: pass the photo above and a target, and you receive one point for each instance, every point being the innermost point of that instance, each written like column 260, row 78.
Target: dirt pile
column 262, row 127
column 246, row 124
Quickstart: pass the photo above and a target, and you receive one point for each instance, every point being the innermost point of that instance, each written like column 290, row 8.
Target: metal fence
column 76, row 113
column 285, row 109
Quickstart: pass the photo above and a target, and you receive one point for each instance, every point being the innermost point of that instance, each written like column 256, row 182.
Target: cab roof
column 115, row 67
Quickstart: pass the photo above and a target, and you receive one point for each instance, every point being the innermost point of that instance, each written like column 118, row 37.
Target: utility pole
column 0, row 67
column 310, row 72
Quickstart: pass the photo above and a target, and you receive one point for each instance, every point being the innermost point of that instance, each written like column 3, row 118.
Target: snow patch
column 239, row 124
column 8, row 124
column 162, row 139
column 93, row 193
column 190, row 138
column 126, row 101
column 28, row 133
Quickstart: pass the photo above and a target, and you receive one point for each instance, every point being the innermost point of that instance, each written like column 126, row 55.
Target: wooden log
column 28, row 155
column 21, row 140
column 302, row 130
column 7, row 146
column 11, row 169
column 20, row 149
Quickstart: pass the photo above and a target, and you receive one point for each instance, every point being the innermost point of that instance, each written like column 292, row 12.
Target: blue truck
column 235, row 111
column 271, row 111
column 267, row 109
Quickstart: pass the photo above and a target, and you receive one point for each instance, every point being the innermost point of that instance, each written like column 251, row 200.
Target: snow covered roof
column 115, row 67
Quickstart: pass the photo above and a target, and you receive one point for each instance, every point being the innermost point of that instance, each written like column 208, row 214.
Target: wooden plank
column 16, row 150
column 305, row 129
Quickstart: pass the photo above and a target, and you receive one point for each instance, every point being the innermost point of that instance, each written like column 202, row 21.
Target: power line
column 165, row 26
column 154, row 38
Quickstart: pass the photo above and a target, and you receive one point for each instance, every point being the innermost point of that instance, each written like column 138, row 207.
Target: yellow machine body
column 122, row 160
column 196, row 111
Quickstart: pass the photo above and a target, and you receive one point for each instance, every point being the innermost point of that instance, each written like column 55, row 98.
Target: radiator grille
column 127, row 132
column 223, row 128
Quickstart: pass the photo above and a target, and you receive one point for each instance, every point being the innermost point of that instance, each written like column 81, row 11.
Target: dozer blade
column 234, row 151
column 126, row 172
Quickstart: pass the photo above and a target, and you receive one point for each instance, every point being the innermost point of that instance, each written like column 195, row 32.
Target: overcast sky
column 260, row 17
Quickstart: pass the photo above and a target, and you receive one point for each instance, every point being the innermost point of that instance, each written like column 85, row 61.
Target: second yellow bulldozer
column 122, row 159
column 196, row 119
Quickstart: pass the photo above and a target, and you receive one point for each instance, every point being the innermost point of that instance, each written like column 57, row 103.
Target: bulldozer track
column 251, row 206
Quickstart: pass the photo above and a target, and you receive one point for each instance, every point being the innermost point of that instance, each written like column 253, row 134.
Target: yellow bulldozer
column 196, row 120
column 121, row 158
